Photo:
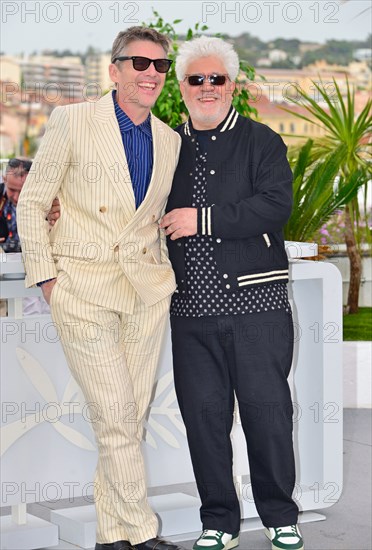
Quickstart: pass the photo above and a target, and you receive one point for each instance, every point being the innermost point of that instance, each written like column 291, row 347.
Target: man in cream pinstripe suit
column 104, row 268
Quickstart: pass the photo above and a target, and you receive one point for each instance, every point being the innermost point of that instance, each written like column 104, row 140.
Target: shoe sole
column 233, row 543
column 273, row 547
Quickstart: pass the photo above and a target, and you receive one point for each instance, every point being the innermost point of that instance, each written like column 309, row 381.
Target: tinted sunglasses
column 213, row 79
column 16, row 163
column 143, row 63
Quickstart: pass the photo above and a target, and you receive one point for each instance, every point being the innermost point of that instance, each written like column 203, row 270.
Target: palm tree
column 318, row 191
column 342, row 128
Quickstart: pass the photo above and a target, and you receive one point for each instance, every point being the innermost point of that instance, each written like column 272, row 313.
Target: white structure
column 43, row 410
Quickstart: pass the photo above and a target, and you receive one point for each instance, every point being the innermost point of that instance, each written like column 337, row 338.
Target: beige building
column 9, row 69
column 280, row 84
column 97, row 74
column 358, row 72
column 291, row 128
column 55, row 80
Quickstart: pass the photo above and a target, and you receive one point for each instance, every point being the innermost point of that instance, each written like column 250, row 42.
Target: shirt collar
column 228, row 123
column 126, row 124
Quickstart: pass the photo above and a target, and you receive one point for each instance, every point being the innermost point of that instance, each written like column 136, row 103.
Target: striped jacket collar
column 227, row 124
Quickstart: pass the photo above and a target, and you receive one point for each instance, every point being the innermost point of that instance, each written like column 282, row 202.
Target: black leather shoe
column 157, row 544
column 118, row 545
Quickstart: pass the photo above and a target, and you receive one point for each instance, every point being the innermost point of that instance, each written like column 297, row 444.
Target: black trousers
column 250, row 355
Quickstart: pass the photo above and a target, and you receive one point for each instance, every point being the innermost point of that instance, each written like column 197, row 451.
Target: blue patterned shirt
column 137, row 141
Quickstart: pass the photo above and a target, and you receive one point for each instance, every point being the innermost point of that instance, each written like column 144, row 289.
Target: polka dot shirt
column 205, row 294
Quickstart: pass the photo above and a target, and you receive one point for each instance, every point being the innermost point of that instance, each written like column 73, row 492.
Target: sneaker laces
column 289, row 531
column 211, row 533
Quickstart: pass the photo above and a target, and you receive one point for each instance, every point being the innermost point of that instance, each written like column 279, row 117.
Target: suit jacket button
column 144, row 251
column 116, row 249
column 102, row 209
column 153, row 217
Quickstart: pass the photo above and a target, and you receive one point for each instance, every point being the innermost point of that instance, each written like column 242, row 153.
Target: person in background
column 15, row 176
column 16, row 173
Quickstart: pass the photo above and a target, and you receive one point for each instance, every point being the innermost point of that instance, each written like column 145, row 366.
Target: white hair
column 206, row 46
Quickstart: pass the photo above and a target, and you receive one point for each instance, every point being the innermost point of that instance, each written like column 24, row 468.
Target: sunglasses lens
column 217, row 79
column 199, row 79
column 196, row 80
column 141, row 63
column 162, row 65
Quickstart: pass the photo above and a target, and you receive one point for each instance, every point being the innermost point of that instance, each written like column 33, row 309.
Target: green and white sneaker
column 285, row 538
column 216, row 540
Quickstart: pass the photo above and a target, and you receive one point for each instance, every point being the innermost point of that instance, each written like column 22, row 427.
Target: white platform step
column 77, row 525
column 34, row 534
column 178, row 513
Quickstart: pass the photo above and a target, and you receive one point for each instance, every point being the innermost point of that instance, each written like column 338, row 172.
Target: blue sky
column 36, row 25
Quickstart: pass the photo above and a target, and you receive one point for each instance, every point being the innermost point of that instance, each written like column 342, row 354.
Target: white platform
column 43, row 404
column 76, row 525
column 34, row 534
column 177, row 513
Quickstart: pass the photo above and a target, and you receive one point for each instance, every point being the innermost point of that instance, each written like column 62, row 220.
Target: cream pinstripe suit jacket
column 102, row 248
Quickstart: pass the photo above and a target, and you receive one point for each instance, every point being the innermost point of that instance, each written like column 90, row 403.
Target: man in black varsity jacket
column 232, row 329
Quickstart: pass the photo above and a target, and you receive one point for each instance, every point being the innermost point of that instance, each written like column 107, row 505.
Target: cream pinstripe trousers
column 113, row 357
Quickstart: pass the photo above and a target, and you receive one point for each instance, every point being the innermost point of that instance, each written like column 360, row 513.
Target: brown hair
column 137, row 33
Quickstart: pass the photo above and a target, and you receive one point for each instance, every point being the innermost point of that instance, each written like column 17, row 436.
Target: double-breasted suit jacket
column 102, row 248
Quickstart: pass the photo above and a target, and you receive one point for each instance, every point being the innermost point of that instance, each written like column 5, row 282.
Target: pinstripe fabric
column 113, row 358
column 102, row 238
column 113, row 277
column 137, row 141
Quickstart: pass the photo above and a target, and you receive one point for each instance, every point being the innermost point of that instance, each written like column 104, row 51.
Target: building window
column 292, row 128
column 281, row 127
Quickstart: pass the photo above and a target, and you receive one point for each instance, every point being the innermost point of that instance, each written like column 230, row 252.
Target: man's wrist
column 41, row 283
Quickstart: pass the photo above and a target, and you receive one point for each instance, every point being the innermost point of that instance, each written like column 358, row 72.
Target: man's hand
column 180, row 222
column 54, row 213
column 46, row 289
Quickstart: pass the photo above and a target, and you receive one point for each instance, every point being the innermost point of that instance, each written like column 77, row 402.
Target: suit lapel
column 107, row 138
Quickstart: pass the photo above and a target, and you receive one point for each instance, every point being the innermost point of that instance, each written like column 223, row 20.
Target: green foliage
column 318, row 190
column 291, row 46
column 336, row 52
column 170, row 107
column 358, row 327
column 343, row 128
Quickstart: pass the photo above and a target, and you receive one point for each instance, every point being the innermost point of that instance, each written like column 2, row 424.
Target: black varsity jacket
column 249, row 190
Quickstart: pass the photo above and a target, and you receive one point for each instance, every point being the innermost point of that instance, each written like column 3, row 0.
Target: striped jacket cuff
column 205, row 220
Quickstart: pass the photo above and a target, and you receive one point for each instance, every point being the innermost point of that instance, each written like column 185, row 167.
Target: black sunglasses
column 20, row 163
column 213, row 79
column 143, row 63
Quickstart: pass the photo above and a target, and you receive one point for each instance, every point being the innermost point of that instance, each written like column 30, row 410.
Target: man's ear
column 231, row 86
column 113, row 72
column 182, row 87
